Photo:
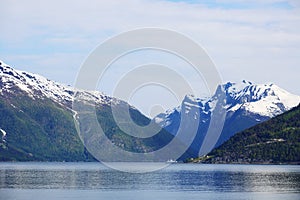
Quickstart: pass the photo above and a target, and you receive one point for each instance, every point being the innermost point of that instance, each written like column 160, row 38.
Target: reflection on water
column 188, row 180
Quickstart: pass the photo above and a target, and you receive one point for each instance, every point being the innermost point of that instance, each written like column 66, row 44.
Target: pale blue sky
column 257, row 41
column 241, row 4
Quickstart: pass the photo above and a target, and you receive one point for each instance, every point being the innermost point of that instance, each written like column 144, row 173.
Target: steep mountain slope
column 246, row 105
column 37, row 118
column 38, row 130
column 274, row 141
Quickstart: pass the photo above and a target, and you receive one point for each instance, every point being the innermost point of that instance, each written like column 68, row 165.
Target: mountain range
column 37, row 117
column 246, row 104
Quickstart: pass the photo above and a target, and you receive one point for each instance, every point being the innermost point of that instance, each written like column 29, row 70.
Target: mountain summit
column 263, row 99
column 36, row 86
column 246, row 104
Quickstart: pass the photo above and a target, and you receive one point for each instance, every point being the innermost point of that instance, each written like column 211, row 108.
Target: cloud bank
column 259, row 41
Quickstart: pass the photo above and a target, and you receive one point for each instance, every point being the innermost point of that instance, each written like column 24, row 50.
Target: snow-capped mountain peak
column 32, row 83
column 246, row 104
column 37, row 86
column 264, row 99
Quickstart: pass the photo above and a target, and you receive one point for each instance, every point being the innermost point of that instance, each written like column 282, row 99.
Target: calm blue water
column 178, row 181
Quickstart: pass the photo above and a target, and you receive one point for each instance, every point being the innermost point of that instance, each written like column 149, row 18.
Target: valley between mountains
column 37, row 124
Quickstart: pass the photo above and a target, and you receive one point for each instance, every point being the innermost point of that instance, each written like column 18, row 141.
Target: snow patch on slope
column 40, row 87
column 266, row 100
column 3, row 132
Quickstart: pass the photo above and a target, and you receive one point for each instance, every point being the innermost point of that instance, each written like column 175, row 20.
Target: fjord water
column 47, row 181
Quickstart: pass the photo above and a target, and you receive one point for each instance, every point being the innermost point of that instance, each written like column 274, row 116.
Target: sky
column 255, row 40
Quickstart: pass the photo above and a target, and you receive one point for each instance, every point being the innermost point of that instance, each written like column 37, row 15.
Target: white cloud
column 244, row 43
